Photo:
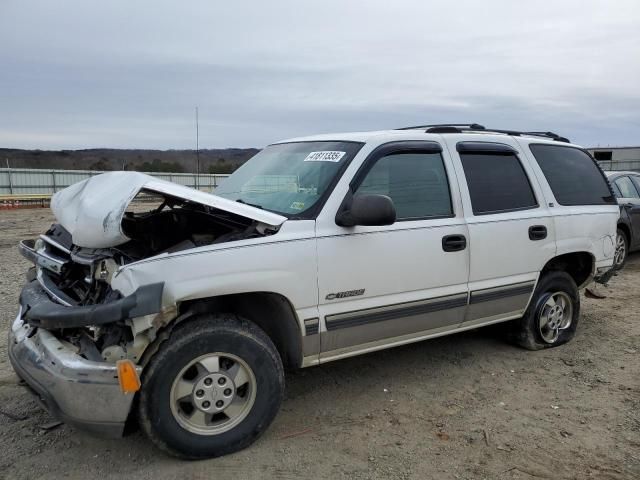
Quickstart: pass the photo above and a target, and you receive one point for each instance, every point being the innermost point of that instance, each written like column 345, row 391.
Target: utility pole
column 197, row 151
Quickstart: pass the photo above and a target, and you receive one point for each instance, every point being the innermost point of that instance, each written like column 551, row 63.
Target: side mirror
column 368, row 210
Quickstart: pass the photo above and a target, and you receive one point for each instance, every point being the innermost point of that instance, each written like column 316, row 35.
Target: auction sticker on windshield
column 327, row 156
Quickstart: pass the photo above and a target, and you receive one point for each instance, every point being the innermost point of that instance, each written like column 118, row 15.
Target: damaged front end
column 73, row 327
column 68, row 291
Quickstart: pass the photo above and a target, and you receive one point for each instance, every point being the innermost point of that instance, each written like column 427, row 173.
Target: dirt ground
column 465, row 406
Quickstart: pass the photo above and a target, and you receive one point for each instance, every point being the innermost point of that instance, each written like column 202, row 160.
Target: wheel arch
column 272, row 312
column 626, row 230
column 579, row 265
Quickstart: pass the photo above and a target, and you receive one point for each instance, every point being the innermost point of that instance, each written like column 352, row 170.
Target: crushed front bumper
column 80, row 392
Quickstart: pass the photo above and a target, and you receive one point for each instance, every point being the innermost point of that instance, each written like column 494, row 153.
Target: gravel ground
column 465, row 406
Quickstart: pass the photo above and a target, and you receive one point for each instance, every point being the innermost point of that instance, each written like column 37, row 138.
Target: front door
column 394, row 284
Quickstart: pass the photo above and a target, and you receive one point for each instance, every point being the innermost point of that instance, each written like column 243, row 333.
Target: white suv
column 316, row 249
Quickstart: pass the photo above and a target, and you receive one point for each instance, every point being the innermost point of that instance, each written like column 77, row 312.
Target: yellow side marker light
column 128, row 376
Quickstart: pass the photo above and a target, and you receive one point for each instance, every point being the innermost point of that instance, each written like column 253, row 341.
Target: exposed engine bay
column 83, row 274
column 177, row 225
column 70, row 285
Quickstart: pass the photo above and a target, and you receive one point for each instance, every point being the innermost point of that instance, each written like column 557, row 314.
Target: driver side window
column 416, row 182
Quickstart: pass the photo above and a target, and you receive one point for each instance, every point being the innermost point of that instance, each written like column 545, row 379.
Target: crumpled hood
column 92, row 210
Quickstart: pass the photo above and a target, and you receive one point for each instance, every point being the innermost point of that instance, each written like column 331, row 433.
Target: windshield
column 288, row 178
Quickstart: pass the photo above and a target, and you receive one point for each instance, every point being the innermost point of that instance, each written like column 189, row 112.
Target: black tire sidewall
column 188, row 344
column 529, row 333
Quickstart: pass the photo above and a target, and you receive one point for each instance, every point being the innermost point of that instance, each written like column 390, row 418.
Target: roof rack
column 476, row 127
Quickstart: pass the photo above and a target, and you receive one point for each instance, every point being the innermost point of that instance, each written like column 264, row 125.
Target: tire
column 535, row 330
column 622, row 250
column 187, row 394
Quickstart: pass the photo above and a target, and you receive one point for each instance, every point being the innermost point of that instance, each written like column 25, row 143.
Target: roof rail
column 476, row 127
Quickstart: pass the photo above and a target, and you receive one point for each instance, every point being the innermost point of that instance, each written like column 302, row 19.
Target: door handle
column 537, row 232
column 454, row 243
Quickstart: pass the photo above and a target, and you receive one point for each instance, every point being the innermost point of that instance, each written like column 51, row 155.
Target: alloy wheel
column 555, row 315
column 213, row 393
column 621, row 251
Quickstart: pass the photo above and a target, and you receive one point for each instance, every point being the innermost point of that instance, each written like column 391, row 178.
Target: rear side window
column 627, row 188
column 573, row 176
column 416, row 182
column 497, row 182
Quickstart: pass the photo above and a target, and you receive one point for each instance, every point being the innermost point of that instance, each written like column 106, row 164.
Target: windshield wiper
column 250, row 204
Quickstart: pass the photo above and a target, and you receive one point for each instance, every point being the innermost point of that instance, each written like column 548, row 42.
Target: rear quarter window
column 574, row 177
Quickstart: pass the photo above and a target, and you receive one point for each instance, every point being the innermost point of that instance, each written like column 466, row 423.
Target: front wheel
column 552, row 316
column 213, row 387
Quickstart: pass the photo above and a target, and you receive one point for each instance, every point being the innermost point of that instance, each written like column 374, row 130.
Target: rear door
column 629, row 187
column 511, row 230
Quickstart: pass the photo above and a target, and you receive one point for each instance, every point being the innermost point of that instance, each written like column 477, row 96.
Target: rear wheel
column 213, row 387
column 622, row 249
column 552, row 316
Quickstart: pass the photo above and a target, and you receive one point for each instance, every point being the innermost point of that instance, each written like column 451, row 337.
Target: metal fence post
column 10, row 179
column 53, row 180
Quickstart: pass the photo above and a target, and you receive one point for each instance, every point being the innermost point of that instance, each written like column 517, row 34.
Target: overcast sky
column 81, row 74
